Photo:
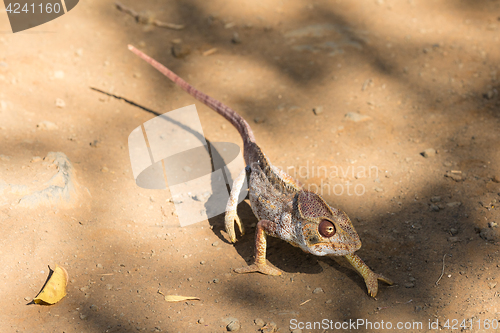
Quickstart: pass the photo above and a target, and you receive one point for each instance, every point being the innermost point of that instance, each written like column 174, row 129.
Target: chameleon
column 283, row 208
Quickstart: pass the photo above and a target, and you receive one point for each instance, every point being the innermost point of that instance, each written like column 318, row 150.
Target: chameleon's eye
column 326, row 229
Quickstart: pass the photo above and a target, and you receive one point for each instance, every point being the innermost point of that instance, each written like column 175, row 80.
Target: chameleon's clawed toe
column 384, row 279
column 261, row 268
column 230, row 219
column 372, row 283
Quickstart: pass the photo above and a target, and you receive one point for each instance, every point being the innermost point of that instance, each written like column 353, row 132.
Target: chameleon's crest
column 326, row 230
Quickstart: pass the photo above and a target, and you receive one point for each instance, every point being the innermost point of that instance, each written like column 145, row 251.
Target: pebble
column 95, row 144
column 429, row 152
column 35, row 159
column 79, row 52
column 3, row 105
column 492, row 224
column 436, row 199
column 180, row 51
column 59, row 75
column 453, row 231
column 259, row 322
column 317, row 291
column 216, row 243
column 455, row 176
column 454, row 204
column 489, row 234
column 270, row 328
column 202, row 262
column 201, row 321
column 453, row 239
column 378, row 189
column 104, row 169
column 489, row 95
column 434, row 208
column 258, row 120
column 216, row 280
column 318, row 110
column 82, row 316
column 409, row 285
column 233, row 324
column 109, row 286
column 47, row 126
column 27, row 298
column 492, row 285
column 99, row 266
column 418, row 308
column 356, row 117
column 297, row 330
column 496, row 179
column 60, row 103
column 236, row 38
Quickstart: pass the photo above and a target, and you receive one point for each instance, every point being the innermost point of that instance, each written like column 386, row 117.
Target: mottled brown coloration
column 283, row 208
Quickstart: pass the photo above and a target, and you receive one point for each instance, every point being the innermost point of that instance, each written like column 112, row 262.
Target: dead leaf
column 55, row 288
column 178, row 298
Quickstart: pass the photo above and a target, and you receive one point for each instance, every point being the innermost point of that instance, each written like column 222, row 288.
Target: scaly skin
column 283, row 208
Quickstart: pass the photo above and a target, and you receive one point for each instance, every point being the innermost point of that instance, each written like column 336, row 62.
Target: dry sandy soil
column 424, row 73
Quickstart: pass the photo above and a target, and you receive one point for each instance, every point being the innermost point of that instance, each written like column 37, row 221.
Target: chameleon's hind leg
column 261, row 265
column 371, row 278
column 231, row 216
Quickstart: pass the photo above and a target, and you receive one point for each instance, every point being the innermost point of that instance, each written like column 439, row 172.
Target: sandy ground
column 417, row 74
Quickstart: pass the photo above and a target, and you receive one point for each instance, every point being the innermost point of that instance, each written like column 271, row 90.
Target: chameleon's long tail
column 235, row 119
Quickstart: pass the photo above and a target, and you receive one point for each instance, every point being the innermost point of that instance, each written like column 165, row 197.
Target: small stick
column 209, row 52
column 304, row 302
column 442, row 272
column 141, row 18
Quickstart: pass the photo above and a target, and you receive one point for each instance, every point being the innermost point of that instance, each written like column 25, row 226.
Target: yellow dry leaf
column 55, row 288
column 178, row 298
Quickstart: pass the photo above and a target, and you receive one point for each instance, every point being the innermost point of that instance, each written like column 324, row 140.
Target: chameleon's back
column 272, row 196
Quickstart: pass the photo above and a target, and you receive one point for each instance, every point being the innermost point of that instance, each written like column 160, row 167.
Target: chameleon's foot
column 229, row 220
column 371, row 278
column 371, row 281
column 261, row 268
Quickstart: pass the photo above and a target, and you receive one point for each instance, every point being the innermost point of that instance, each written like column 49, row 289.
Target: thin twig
column 442, row 272
column 144, row 18
column 209, row 52
column 304, row 302
column 168, row 25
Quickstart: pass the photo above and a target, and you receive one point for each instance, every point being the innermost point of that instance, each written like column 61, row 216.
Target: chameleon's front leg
column 371, row 278
column 260, row 264
column 231, row 214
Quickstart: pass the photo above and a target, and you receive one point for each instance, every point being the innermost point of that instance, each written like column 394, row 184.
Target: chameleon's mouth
column 330, row 249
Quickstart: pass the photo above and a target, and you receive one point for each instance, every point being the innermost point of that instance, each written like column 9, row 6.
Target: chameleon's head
column 325, row 230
